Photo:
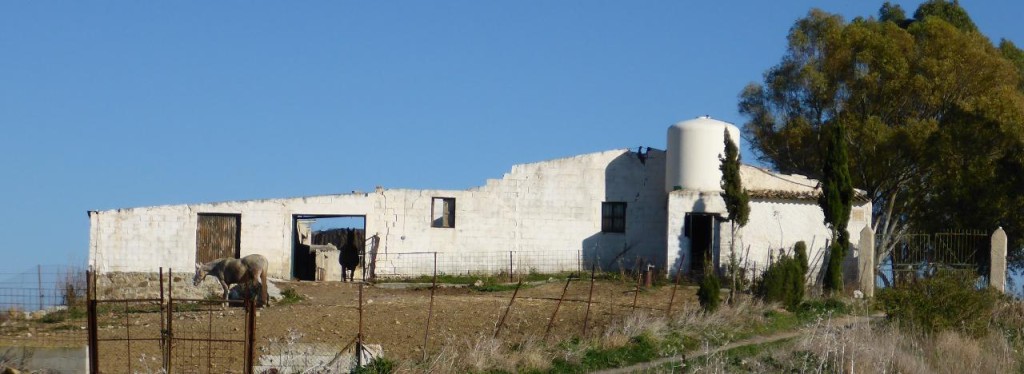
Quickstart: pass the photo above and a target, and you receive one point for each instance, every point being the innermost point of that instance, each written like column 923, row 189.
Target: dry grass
column 619, row 333
column 864, row 348
column 483, row 353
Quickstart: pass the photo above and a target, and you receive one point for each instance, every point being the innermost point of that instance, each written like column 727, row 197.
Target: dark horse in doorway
column 247, row 270
column 349, row 256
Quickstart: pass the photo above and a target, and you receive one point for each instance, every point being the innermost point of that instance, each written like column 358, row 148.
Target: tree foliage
column 904, row 90
column 836, row 201
column 737, row 201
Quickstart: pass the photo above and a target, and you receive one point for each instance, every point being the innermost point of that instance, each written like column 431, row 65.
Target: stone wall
column 146, row 285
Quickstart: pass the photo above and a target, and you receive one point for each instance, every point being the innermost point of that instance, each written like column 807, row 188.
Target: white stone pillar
column 866, row 263
column 997, row 268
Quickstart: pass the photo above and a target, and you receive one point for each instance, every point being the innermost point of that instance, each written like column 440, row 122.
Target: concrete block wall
column 550, row 210
column 145, row 239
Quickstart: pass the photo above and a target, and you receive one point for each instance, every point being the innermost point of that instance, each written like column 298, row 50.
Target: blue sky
column 118, row 104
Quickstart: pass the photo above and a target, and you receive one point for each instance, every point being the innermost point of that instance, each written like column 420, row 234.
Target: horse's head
column 200, row 275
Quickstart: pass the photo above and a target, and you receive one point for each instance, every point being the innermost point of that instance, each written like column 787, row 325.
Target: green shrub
column 833, row 280
column 380, row 365
column 947, row 300
column 708, row 293
column 783, row 282
column 800, row 252
column 812, row 309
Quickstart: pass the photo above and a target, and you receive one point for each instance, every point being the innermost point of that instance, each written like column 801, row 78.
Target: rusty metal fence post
column 679, row 273
column 250, row 336
column 94, row 353
column 430, row 309
column 165, row 342
column 497, row 330
column 554, row 314
column 359, row 336
column 170, row 321
column 510, row 266
column 39, row 278
column 586, row 317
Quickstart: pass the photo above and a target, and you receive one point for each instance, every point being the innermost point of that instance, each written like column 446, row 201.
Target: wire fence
column 44, row 306
column 148, row 322
column 412, row 264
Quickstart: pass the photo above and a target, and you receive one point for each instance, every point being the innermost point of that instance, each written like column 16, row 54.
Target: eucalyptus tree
column 901, row 88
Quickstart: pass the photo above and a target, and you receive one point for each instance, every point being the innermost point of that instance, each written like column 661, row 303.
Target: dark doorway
column 312, row 231
column 217, row 236
column 700, row 227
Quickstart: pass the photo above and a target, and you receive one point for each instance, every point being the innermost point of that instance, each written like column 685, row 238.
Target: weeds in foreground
column 290, row 296
column 827, row 347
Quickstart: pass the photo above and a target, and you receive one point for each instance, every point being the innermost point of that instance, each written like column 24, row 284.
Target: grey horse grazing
column 228, row 271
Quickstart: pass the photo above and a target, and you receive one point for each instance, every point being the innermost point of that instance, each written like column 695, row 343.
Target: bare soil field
column 328, row 318
column 396, row 318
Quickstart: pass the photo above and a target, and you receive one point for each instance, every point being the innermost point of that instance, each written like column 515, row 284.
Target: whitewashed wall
column 145, row 239
column 546, row 213
column 773, row 224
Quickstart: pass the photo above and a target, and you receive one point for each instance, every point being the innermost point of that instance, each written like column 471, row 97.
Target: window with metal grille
column 442, row 212
column 613, row 216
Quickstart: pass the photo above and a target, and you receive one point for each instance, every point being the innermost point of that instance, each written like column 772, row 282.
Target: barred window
column 613, row 216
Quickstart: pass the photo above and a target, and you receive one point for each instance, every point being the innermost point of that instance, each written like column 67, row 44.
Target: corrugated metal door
column 217, row 236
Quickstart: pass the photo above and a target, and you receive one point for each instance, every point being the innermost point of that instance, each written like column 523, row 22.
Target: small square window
column 442, row 212
column 613, row 217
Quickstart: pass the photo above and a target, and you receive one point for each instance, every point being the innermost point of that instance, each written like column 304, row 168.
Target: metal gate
column 919, row 255
column 168, row 334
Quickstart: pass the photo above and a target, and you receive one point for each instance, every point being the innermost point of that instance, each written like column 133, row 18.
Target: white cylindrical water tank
column 694, row 147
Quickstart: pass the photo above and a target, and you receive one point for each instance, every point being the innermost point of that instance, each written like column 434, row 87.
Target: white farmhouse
column 606, row 209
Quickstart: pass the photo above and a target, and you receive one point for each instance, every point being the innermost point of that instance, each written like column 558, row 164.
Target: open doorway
column 700, row 228
column 317, row 243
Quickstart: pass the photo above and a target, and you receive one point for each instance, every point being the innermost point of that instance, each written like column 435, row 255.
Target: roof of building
column 762, row 183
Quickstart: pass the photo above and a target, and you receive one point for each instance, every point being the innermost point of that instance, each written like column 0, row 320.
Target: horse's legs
column 224, row 286
column 264, row 295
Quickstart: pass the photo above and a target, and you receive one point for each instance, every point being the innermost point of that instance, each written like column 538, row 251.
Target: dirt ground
column 396, row 318
column 328, row 319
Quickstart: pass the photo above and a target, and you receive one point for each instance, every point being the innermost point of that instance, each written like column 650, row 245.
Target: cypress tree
column 737, row 201
column 836, row 201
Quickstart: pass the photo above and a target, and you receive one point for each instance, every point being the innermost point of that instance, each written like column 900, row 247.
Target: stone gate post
column 866, row 263
column 997, row 268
